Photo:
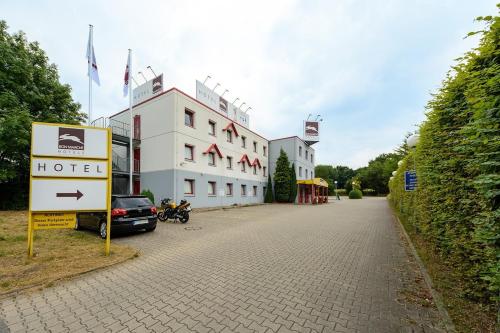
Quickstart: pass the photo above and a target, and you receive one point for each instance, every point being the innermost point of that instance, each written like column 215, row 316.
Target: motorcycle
column 170, row 210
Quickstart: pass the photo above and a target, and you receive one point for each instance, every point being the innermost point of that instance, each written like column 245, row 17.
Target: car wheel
column 148, row 229
column 103, row 230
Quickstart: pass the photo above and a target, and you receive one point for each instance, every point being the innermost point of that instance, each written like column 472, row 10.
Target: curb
column 438, row 300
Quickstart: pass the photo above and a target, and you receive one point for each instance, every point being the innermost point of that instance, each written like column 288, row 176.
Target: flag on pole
column 126, row 79
column 93, row 68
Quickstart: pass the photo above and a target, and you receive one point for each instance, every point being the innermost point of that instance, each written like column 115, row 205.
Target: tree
column 342, row 174
column 282, row 178
column 269, row 191
column 29, row 91
column 376, row 175
column 293, row 183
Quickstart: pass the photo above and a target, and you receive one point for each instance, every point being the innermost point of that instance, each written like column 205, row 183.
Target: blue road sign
column 410, row 180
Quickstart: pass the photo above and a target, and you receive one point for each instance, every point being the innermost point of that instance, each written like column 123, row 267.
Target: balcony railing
column 117, row 127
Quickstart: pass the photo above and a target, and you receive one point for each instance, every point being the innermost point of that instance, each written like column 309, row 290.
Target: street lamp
column 225, row 91
column 218, row 84
column 336, row 192
column 206, row 79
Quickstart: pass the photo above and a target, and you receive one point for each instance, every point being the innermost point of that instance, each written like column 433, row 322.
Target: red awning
column 233, row 127
column 256, row 162
column 213, row 147
column 244, row 159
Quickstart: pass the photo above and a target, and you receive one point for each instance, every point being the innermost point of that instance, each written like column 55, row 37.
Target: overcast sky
column 367, row 67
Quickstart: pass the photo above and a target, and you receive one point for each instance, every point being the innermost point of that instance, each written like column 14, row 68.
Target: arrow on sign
column 76, row 195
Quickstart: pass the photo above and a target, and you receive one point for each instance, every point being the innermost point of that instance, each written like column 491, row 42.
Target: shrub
column 149, row 194
column 269, row 198
column 369, row 192
column 282, row 178
column 341, row 191
column 355, row 194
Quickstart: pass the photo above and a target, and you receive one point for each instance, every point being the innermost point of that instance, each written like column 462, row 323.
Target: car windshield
column 133, row 202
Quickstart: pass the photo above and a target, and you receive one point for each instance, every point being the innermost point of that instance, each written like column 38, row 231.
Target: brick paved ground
column 340, row 267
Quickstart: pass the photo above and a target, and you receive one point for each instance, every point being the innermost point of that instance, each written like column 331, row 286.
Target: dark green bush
column 149, row 194
column 355, row 194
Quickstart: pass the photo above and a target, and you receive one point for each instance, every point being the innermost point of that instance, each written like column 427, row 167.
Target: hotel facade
column 185, row 149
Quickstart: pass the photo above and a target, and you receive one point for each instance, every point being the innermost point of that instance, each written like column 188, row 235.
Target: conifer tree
column 269, row 198
column 282, row 178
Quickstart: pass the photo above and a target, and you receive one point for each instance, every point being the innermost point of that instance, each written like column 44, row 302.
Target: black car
column 128, row 213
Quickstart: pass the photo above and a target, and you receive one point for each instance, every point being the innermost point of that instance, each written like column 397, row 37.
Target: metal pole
column 131, row 191
column 91, row 56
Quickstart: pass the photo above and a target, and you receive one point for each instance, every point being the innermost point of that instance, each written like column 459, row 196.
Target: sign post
column 410, row 180
column 70, row 172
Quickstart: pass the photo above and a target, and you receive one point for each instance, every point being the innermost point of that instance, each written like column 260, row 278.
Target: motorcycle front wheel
column 184, row 217
column 162, row 216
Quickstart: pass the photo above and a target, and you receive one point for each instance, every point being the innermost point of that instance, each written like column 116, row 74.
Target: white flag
column 93, row 68
column 126, row 79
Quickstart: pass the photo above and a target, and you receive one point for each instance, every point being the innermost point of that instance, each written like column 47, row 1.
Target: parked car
column 128, row 213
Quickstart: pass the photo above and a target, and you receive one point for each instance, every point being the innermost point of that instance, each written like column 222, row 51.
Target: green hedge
column 149, row 194
column 456, row 205
column 369, row 192
column 355, row 194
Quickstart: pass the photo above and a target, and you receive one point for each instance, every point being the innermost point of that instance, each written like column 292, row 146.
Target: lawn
column 58, row 254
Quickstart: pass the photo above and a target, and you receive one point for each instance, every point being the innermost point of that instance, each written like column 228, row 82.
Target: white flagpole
column 131, row 121
column 91, row 56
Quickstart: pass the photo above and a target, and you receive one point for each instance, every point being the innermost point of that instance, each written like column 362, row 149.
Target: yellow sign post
column 70, row 172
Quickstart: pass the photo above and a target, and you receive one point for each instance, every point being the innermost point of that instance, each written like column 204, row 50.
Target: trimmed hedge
column 355, row 194
column 456, row 204
column 149, row 194
column 369, row 192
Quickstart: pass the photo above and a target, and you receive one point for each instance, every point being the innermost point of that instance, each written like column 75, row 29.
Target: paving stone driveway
column 340, row 267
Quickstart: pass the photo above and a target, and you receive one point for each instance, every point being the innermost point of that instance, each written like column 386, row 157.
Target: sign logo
column 222, row 104
column 158, row 84
column 312, row 128
column 71, row 138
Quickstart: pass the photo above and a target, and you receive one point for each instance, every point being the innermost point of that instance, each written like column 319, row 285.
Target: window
column 264, row 150
column 229, row 136
column 243, row 190
column 212, row 186
column 254, row 191
column 244, row 141
column 211, row 158
column 264, row 189
column 189, row 186
column 255, row 146
column 264, row 171
column 307, row 174
column 307, row 154
column 243, row 167
column 312, row 158
column 312, row 174
column 300, row 151
column 229, row 162
column 254, row 169
column 188, row 152
column 300, row 171
column 188, row 118
column 229, row 189
column 211, row 127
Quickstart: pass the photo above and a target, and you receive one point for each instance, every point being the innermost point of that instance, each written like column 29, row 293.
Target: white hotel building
column 187, row 150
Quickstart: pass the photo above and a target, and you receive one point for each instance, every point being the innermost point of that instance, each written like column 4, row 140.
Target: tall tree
column 269, row 198
column 282, row 178
column 293, row 183
column 29, row 91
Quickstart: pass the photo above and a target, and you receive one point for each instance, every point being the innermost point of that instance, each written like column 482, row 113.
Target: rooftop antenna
column 207, row 78
column 225, row 91
column 149, row 67
column 143, row 76
column 249, row 108
column 237, row 98
column 218, row 84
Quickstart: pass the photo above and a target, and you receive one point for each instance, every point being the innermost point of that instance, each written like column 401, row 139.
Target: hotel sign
column 70, row 173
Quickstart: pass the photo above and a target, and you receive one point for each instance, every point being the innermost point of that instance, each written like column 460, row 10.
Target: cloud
column 366, row 66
